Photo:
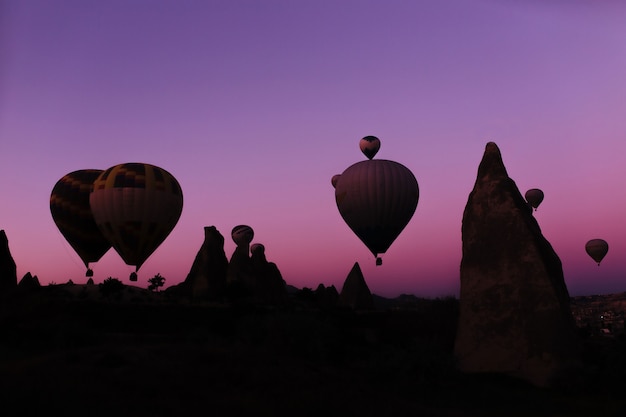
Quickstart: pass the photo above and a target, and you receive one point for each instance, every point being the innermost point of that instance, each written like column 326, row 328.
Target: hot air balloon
column 242, row 235
column 376, row 198
column 369, row 146
column 69, row 206
column 334, row 180
column 597, row 249
column 534, row 197
column 136, row 206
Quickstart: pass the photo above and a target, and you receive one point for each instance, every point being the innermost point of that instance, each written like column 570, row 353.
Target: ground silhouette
column 72, row 349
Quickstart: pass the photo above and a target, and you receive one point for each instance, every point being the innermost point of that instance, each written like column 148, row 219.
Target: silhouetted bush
column 110, row 286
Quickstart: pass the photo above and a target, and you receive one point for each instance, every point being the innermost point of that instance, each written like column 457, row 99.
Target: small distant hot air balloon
column 69, row 206
column 597, row 249
column 242, row 235
column 376, row 198
column 334, row 180
column 136, row 206
column 369, row 146
column 534, row 197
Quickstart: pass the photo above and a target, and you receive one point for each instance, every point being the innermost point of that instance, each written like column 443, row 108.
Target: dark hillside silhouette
column 141, row 353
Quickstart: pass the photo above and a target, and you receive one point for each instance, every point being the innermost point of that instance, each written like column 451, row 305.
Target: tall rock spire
column 515, row 317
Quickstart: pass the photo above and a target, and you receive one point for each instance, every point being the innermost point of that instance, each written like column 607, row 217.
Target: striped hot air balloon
column 71, row 212
column 136, row 206
column 377, row 198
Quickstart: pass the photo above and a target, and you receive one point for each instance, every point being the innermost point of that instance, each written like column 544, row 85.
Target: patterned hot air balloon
column 136, row 206
column 369, row 146
column 597, row 249
column 534, row 197
column 69, row 206
column 377, row 198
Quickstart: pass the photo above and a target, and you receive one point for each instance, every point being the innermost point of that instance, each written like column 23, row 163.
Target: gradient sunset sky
column 254, row 105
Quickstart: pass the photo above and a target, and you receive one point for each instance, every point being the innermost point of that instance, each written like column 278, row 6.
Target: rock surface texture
column 515, row 316
column 8, row 271
column 355, row 292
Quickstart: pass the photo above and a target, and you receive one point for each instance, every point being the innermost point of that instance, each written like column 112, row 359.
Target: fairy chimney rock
column 207, row 277
column 326, row 297
column 355, row 293
column 239, row 271
column 8, row 270
column 29, row 282
column 515, row 316
column 270, row 287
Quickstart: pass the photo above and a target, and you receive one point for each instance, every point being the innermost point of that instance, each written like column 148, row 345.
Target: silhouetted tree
column 156, row 282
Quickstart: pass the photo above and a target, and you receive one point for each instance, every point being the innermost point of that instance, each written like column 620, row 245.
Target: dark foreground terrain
column 70, row 350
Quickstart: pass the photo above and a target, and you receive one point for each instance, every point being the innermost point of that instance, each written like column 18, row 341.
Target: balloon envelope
column 69, row 206
column 597, row 249
column 369, row 146
column 534, row 197
column 377, row 198
column 242, row 234
column 136, row 206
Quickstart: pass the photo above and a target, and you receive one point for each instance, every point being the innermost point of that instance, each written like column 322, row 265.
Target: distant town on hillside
column 600, row 314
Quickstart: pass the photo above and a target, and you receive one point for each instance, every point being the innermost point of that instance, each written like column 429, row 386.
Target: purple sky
column 254, row 105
